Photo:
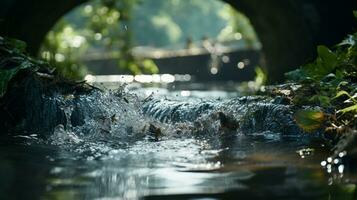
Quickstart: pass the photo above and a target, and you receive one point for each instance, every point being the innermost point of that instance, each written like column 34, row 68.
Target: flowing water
column 172, row 144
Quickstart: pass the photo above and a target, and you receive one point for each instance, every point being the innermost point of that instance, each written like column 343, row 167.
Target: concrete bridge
column 289, row 30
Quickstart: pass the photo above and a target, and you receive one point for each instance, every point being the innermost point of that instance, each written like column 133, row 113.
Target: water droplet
column 185, row 93
column 329, row 160
column 225, row 59
column 323, row 163
column 341, row 168
column 342, row 154
column 336, row 161
column 241, row 65
column 329, row 170
column 214, row 70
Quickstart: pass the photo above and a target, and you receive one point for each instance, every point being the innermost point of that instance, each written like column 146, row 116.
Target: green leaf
column 18, row 45
column 5, row 77
column 309, row 120
column 341, row 93
column 329, row 59
column 325, row 101
column 295, row 75
column 339, row 74
column 348, row 109
column 7, row 74
column 325, row 64
column 326, row 54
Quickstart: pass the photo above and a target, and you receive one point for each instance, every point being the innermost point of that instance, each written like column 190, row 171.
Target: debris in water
column 227, row 122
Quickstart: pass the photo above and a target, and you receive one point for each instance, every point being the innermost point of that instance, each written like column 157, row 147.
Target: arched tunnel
column 289, row 30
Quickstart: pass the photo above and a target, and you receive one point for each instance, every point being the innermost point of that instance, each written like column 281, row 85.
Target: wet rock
column 31, row 107
column 227, row 122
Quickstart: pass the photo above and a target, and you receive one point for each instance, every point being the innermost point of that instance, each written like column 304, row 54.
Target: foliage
column 309, row 120
column 260, row 77
column 256, row 85
column 111, row 28
column 330, row 82
column 99, row 24
column 325, row 63
column 239, row 27
column 12, row 61
column 62, row 48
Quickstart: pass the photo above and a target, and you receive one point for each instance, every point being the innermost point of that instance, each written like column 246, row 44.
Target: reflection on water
column 178, row 168
column 222, row 166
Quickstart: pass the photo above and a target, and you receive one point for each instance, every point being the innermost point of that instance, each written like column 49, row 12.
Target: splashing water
column 118, row 145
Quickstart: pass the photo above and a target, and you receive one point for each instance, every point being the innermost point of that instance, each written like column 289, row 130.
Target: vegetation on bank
column 16, row 65
column 13, row 60
column 329, row 82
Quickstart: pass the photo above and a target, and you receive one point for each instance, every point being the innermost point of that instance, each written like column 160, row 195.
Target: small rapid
column 120, row 116
column 121, row 144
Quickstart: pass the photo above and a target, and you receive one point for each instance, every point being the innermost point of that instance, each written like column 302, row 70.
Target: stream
column 172, row 142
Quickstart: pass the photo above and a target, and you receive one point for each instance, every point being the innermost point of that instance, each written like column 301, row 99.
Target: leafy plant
column 330, row 82
column 12, row 60
column 100, row 24
column 352, row 99
column 325, row 63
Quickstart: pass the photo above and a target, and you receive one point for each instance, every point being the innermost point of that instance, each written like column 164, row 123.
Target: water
column 175, row 144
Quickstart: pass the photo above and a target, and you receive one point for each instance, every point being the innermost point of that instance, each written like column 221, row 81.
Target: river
column 180, row 142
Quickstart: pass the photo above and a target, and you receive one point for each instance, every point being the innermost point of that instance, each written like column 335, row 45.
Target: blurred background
column 210, row 40
column 180, row 40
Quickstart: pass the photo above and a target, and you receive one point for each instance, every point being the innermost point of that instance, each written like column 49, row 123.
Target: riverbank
column 273, row 141
column 319, row 99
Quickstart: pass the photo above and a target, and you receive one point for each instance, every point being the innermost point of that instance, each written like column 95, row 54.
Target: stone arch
column 288, row 29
